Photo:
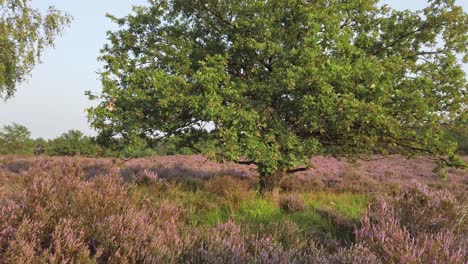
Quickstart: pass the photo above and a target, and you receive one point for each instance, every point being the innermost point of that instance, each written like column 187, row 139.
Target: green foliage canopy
column 274, row 82
column 24, row 34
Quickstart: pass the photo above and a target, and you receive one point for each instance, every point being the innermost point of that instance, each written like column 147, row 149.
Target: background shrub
column 292, row 203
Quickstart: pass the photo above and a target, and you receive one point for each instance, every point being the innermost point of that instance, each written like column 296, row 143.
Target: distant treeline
column 16, row 139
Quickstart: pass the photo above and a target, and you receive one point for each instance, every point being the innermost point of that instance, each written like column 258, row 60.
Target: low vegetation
column 78, row 210
column 271, row 90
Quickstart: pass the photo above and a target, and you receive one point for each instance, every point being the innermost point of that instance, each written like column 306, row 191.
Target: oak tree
column 274, row 82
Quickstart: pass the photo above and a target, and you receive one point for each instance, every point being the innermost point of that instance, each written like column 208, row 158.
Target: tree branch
column 422, row 53
column 395, row 42
column 219, row 17
column 197, row 150
column 372, row 159
column 297, row 170
column 246, row 162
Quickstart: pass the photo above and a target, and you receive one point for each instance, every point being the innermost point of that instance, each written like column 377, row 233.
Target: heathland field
column 269, row 89
column 187, row 209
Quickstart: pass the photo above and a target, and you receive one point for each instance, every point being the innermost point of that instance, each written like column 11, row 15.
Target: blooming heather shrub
column 266, row 250
column 94, row 168
column 75, row 210
column 68, row 244
column 355, row 180
column 10, row 215
column 60, row 216
column 195, row 166
column 292, row 203
column 422, row 210
column 17, row 166
column 384, row 234
column 287, row 233
column 356, row 254
column 25, row 245
column 223, row 244
column 226, row 244
column 146, row 177
column 134, row 236
column 129, row 172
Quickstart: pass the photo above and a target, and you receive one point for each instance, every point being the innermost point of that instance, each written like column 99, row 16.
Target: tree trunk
column 270, row 185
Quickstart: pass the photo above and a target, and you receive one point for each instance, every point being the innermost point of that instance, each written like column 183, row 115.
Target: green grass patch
column 255, row 213
column 349, row 205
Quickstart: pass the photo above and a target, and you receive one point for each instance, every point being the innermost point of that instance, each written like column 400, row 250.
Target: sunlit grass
column 349, row 205
column 256, row 212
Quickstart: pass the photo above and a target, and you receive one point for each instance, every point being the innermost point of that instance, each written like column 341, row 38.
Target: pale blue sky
column 52, row 101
